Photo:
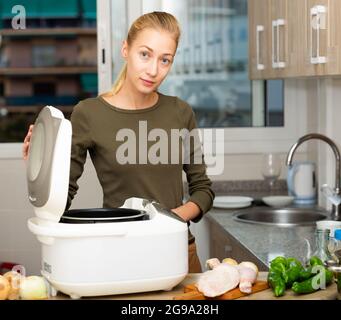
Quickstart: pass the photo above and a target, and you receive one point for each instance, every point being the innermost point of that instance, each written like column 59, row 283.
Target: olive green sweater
column 95, row 126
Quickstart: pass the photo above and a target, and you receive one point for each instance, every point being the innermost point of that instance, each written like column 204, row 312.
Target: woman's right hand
column 26, row 145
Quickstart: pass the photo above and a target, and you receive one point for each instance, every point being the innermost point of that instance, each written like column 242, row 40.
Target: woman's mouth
column 147, row 83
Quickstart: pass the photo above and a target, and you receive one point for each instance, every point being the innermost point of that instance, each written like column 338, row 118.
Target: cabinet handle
column 315, row 13
column 274, row 51
column 280, row 64
column 259, row 29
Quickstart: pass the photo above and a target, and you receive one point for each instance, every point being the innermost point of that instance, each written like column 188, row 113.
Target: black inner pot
column 103, row 215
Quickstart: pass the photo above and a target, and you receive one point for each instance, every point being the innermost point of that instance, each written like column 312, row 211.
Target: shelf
column 46, row 70
column 32, row 109
column 48, row 32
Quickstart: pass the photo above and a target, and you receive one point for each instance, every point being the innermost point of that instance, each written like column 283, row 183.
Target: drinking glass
column 271, row 168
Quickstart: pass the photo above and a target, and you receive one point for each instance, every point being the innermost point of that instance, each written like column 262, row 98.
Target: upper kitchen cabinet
column 259, row 39
column 296, row 37
column 279, row 38
column 268, row 38
column 304, row 38
column 323, row 38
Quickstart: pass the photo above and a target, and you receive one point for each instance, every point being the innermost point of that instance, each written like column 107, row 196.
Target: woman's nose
column 153, row 68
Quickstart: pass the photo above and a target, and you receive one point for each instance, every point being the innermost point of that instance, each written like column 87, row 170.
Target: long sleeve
column 81, row 142
column 199, row 185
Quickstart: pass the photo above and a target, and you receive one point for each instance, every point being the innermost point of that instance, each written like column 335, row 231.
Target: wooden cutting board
column 191, row 292
column 330, row 293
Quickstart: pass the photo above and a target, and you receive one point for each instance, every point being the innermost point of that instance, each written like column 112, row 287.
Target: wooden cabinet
column 259, row 39
column 296, row 37
column 279, row 38
column 304, row 38
column 334, row 38
column 223, row 245
column 315, row 49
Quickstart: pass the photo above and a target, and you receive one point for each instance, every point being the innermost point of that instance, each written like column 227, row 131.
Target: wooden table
column 329, row 293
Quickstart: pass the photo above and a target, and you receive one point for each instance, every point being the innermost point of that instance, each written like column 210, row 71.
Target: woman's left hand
column 187, row 211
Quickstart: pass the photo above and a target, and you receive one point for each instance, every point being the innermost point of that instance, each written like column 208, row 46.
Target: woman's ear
column 124, row 49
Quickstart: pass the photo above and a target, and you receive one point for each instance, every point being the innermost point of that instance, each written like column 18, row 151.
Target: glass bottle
column 337, row 246
column 321, row 244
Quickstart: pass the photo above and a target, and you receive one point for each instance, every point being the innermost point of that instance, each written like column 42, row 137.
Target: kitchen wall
column 17, row 244
column 328, row 122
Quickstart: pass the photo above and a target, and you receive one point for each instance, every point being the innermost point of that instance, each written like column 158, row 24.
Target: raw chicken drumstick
column 226, row 276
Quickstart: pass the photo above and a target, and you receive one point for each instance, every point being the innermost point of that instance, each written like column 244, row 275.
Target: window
column 274, row 104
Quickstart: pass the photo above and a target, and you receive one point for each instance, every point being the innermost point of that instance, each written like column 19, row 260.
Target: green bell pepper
column 314, row 261
column 277, row 283
column 279, row 264
column 293, row 271
column 314, row 283
column 309, row 271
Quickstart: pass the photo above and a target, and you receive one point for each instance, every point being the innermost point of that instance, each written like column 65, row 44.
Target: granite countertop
column 267, row 241
column 264, row 241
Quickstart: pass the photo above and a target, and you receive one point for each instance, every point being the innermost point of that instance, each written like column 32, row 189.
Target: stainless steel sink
column 283, row 217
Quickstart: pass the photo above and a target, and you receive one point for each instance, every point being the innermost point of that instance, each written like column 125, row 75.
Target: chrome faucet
column 336, row 209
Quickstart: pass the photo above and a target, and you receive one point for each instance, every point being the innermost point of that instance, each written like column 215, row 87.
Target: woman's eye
column 165, row 61
column 144, row 54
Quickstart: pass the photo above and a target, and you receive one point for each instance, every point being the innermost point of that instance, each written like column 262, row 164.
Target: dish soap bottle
column 321, row 242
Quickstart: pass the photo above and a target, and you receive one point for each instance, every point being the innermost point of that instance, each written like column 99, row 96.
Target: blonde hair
column 155, row 20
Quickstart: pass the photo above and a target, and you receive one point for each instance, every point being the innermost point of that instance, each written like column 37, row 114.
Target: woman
column 135, row 106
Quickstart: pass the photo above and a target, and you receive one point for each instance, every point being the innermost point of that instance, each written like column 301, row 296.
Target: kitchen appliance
column 137, row 247
column 301, row 181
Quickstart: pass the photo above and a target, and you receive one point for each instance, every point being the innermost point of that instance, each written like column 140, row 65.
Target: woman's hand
column 187, row 211
column 27, row 140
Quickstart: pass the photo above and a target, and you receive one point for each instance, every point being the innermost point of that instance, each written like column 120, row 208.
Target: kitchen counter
column 329, row 293
column 266, row 242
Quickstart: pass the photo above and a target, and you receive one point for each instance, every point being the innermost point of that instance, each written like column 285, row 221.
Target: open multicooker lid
column 48, row 165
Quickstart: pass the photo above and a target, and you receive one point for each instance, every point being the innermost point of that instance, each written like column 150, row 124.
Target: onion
column 5, row 288
column 230, row 261
column 14, row 279
column 33, row 288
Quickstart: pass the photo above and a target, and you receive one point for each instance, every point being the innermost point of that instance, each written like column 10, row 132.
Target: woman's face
column 149, row 59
